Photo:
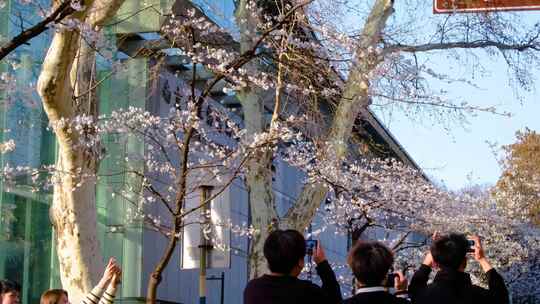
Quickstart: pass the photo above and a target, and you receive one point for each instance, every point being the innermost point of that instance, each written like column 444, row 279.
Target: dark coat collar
column 453, row 277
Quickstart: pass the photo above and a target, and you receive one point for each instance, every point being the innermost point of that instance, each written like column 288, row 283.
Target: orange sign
column 475, row 6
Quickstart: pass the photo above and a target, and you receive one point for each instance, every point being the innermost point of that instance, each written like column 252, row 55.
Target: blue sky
column 459, row 154
column 462, row 155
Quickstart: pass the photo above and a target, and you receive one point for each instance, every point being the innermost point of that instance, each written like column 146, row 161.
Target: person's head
column 284, row 251
column 54, row 296
column 9, row 292
column 450, row 251
column 370, row 262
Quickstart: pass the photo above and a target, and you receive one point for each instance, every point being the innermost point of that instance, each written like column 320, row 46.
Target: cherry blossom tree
column 303, row 80
column 407, row 215
column 382, row 63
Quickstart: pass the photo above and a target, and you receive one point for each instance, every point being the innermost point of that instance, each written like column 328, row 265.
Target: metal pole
column 349, row 246
column 222, row 287
column 205, row 194
column 222, row 279
column 202, row 277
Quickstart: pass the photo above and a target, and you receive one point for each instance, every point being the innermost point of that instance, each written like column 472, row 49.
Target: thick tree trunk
column 73, row 211
column 355, row 97
column 263, row 213
column 259, row 173
column 74, row 220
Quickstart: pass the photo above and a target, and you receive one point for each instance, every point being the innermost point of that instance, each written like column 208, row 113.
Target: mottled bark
column 355, row 97
column 259, row 184
column 66, row 73
column 258, row 169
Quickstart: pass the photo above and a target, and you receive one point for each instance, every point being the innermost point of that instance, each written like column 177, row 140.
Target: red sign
column 475, row 6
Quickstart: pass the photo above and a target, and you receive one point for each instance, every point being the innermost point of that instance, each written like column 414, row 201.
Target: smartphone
column 310, row 246
column 390, row 278
column 471, row 243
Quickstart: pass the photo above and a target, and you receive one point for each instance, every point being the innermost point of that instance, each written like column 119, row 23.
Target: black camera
column 471, row 243
column 390, row 278
column 310, row 246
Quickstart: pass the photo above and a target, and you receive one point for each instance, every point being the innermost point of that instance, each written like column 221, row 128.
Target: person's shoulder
column 253, row 283
column 479, row 291
column 393, row 299
column 309, row 287
column 349, row 301
column 401, row 300
column 307, row 284
column 376, row 297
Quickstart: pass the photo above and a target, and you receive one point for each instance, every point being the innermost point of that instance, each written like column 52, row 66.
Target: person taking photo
column 285, row 251
column 371, row 262
column 452, row 285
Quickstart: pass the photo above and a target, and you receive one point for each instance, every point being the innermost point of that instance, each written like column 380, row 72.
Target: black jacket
column 376, row 297
column 454, row 287
column 291, row 290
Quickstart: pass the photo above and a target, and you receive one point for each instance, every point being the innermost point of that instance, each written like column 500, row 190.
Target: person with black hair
column 371, row 263
column 452, row 285
column 284, row 251
column 10, row 292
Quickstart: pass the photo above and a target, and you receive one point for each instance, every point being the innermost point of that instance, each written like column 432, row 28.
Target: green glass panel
column 25, row 229
column 121, row 237
column 141, row 16
column 25, row 244
column 27, row 252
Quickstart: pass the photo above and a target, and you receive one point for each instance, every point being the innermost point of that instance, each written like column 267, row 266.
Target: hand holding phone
column 472, row 246
column 311, row 246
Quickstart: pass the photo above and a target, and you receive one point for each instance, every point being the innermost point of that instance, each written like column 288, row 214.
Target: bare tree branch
column 62, row 11
column 477, row 44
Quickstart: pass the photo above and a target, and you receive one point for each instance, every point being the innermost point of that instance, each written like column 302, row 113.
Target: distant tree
column 518, row 188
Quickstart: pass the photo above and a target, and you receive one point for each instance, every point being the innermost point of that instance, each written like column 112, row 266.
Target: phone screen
column 310, row 246
column 471, row 246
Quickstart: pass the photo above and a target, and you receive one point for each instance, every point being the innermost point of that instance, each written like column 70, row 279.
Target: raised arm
column 104, row 291
column 330, row 284
column 421, row 277
column 497, row 291
column 110, row 293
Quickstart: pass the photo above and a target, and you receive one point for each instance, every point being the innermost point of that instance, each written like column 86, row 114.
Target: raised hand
column 479, row 254
column 400, row 281
column 108, row 274
column 117, row 276
column 318, row 253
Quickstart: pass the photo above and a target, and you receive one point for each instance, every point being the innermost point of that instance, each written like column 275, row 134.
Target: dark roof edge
column 392, row 142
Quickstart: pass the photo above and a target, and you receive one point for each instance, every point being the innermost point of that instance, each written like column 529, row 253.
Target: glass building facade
column 26, row 245
column 27, row 253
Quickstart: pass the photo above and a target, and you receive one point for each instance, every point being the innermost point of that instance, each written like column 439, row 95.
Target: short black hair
column 283, row 249
column 9, row 286
column 370, row 262
column 450, row 251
